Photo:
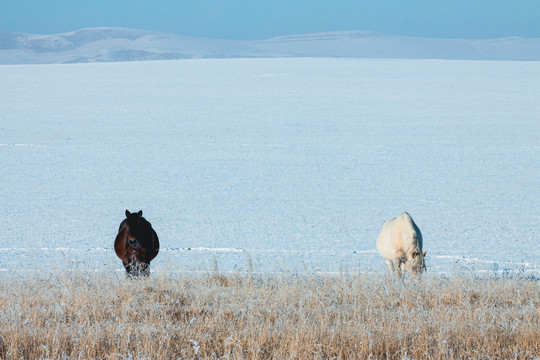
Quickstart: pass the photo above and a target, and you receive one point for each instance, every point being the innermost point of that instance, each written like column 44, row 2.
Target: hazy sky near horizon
column 261, row 19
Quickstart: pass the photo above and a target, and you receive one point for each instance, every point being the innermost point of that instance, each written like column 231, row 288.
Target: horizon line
column 364, row 31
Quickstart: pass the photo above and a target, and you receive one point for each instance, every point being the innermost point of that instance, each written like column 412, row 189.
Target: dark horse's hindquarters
column 136, row 244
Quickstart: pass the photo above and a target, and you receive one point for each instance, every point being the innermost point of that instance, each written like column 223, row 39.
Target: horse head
column 415, row 263
column 137, row 230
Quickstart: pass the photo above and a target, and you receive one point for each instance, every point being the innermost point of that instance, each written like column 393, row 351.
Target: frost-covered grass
column 99, row 315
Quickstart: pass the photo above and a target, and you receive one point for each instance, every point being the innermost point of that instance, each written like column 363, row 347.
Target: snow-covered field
column 279, row 164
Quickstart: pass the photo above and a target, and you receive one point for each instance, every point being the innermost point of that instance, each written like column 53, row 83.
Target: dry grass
column 272, row 317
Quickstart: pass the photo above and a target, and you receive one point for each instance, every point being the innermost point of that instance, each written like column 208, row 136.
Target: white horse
column 400, row 243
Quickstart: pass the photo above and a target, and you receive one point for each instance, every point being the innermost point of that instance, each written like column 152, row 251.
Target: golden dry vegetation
column 104, row 316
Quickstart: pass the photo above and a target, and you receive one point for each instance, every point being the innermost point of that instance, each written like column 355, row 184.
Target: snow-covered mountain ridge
column 118, row 44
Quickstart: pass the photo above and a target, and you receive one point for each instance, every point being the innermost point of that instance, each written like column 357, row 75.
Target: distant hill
column 118, row 44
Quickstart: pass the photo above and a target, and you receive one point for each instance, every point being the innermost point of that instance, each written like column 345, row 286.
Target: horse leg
column 135, row 269
column 144, row 269
column 397, row 265
column 390, row 265
column 128, row 268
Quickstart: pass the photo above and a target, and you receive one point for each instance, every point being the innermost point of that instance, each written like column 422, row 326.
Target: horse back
column 387, row 242
column 410, row 234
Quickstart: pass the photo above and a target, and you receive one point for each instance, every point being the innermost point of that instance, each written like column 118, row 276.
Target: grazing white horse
column 400, row 243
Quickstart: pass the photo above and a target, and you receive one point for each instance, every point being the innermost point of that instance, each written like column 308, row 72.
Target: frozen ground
column 287, row 164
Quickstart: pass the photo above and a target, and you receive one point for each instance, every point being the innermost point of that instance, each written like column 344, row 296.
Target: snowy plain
column 272, row 164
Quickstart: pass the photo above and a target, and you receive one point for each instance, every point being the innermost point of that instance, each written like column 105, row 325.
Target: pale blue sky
column 260, row 19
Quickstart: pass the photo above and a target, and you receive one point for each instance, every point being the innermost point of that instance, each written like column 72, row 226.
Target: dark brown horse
column 136, row 244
